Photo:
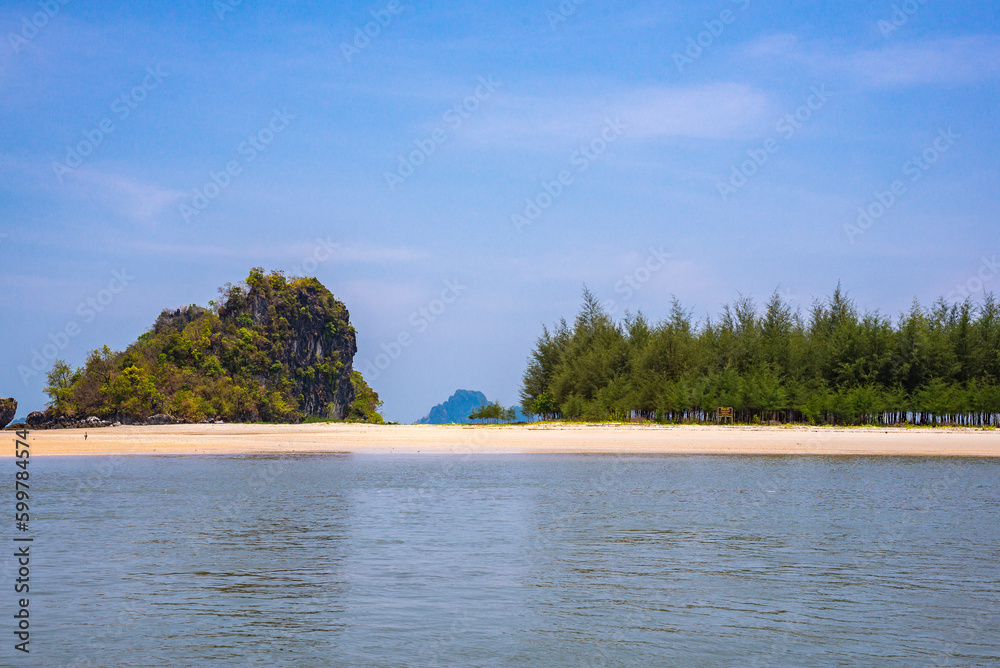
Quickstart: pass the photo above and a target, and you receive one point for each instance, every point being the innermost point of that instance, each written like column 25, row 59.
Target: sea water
column 570, row 560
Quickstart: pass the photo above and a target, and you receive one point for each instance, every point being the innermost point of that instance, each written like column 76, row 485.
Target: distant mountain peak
column 456, row 409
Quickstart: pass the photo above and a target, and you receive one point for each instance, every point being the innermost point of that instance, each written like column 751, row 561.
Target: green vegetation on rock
column 366, row 402
column 272, row 349
column 8, row 408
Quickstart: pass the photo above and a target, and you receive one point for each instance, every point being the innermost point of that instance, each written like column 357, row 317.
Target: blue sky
column 457, row 177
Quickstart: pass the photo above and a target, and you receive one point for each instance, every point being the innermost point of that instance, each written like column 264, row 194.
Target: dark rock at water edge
column 8, row 409
column 160, row 418
column 50, row 419
column 456, row 409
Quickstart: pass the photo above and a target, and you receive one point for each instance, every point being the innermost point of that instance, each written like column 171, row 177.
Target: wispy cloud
column 63, row 52
column 126, row 196
column 367, row 253
column 780, row 45
column 329, row 251
column 123, row 195
column 712, row 111
column 942, row 61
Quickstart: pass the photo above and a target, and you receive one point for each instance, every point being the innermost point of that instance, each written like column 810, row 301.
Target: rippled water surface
column 512, row 560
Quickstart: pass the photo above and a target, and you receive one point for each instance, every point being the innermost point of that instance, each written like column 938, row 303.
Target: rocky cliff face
column 311, row 335
column 8, row 409
column 273, row 349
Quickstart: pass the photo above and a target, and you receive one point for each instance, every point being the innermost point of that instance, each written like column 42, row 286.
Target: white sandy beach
column 542, row 438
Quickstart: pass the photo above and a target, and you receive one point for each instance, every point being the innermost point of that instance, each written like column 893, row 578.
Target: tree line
column 832, row 364
column 494, row 413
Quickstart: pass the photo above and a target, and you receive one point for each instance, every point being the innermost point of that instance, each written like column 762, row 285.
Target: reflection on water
column 542, row 560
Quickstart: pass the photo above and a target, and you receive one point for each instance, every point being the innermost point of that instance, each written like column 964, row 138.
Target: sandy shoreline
column 524, row 439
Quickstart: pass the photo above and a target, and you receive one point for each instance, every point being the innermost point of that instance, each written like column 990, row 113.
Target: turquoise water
column 511, row 560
